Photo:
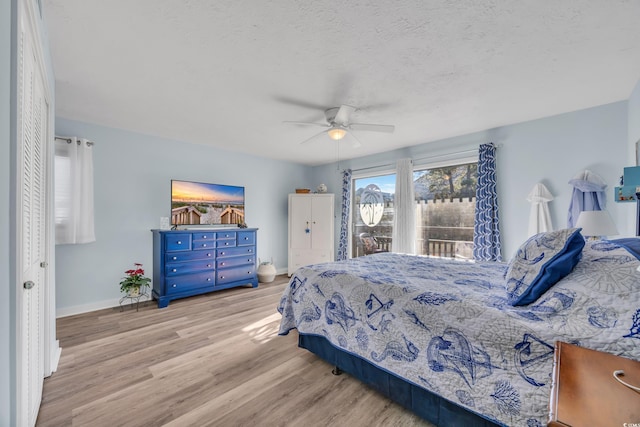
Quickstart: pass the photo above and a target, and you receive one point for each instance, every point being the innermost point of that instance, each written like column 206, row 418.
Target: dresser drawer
column 226, row 243
column 178, row 242
column 246, row 238
column 249, row 250
column 199, row 245
column 176, row 268
column 236, row 261
column 188, row 256
column 247, row 272
column 202, row 235
column 220, row 235
column 186, row 283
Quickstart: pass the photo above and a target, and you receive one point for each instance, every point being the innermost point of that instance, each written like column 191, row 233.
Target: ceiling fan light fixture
column 336, row 133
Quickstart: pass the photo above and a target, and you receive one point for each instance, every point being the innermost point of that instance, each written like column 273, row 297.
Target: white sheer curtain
column 404, row 219
column 74, row 191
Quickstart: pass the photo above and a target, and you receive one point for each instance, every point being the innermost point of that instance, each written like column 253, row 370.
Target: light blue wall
column 634, row 123
column 132, row 175
column 7, row 247
column 551, row 150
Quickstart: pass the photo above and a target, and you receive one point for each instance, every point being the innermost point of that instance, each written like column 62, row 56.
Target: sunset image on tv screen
column 197, row 203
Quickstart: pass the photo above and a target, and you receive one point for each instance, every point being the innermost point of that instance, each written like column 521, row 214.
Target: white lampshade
column 336, row 133
column 596, row 223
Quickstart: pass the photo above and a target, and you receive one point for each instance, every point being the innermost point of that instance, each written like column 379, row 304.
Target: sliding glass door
column 372, row 214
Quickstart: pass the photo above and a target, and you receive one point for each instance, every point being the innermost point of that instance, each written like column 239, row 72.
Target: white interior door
column 33, row 131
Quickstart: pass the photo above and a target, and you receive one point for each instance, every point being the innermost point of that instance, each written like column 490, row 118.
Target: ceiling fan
column 338, row 125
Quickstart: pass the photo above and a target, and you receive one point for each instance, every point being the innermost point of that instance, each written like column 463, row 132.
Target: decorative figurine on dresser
column 193, row 262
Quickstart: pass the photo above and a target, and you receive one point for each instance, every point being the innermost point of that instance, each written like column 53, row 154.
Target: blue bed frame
column 425, row 404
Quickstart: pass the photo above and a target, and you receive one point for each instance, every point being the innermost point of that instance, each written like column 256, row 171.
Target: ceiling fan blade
column 324, row 132
column 372, row 128
column 300, row 103
column 324, row 125
column 343, row 114
column 355, row 142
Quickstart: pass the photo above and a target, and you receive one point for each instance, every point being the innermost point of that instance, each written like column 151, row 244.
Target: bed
column 443, row 338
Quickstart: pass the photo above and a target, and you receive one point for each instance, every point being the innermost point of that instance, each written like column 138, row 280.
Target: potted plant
column 134, row 280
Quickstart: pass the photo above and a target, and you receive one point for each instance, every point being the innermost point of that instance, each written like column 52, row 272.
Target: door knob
column 29, row 284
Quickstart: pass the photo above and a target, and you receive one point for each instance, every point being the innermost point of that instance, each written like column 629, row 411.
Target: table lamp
column 596, row 224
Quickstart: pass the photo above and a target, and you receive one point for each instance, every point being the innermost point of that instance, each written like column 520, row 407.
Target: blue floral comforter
column 446, row 325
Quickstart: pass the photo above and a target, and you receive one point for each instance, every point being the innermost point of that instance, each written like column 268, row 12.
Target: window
column 445, row 211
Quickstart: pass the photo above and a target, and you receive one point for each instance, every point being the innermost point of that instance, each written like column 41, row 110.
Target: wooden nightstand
column 585, row 393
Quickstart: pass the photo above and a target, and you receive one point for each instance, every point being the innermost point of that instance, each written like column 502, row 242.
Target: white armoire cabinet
column 310, row 229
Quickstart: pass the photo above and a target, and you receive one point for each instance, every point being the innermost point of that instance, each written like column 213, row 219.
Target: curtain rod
column 61, row 138
column 475, row 150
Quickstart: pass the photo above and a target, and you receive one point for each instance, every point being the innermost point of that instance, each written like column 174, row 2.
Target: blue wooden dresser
column 192, row 262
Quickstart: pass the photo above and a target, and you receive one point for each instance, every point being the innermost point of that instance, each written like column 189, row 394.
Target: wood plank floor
column 210, row 360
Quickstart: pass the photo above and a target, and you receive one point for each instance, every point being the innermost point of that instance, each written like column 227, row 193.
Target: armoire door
column 322, row 222
column 33, row 131
column 300, row 222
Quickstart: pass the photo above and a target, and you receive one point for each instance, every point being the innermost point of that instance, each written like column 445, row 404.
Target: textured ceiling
column 228, row 73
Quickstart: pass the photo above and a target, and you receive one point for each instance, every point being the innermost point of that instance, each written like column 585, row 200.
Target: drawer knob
column 175, row 258
column 208, row 265
column 204, row 237
column 221, row 253
column 204, row 245
column 226, row 243
column 246, row 238
column 174, row 270
column 250, row 250
column 222, row 277
column 222, row 263
column 174, row 286
column 179, row 242
column 248, row 272
column 208, row 279
column 249, row 260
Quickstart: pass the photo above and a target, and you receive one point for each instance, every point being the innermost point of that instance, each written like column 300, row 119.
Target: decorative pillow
column 631, row 244
column 540, row 262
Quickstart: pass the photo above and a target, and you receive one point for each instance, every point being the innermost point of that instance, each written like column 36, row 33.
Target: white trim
column 444, row 163
column 383, row 170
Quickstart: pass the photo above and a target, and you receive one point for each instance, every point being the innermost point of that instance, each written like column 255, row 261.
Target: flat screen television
column 199, row 203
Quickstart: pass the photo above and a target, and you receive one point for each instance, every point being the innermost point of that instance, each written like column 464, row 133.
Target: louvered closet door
column 33, row 126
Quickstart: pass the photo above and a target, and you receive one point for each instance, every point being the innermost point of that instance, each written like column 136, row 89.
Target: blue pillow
column 540, row 262
column 631, row 244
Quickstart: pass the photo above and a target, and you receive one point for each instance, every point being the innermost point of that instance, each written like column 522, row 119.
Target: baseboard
column 85, row 308
column 101, row 305
column 55, row 357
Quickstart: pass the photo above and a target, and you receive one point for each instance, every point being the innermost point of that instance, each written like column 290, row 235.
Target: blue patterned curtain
column 343, row 244
column 486, row 231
